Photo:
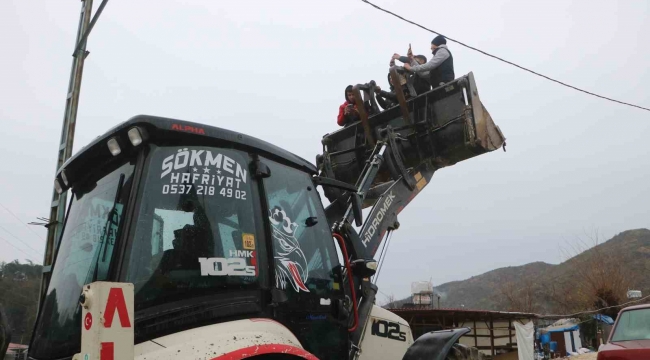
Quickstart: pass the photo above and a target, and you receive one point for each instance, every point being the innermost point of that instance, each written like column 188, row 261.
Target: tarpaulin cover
column 561, row 329
column 525, row 335
column 604, row 318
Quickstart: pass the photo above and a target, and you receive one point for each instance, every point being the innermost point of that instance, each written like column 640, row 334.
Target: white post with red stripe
column 107, row 321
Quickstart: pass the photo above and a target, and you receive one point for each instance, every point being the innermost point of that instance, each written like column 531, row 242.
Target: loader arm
column 383, row 216
column 391, row 156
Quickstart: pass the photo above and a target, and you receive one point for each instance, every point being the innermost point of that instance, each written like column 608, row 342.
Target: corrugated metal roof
column 461, row 310
column 458, row 309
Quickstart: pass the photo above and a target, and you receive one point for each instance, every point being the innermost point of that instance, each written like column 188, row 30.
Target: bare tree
column 598, row 278
column 521, row 295
column 389, row 302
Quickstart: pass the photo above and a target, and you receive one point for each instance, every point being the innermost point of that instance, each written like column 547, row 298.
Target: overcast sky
column 277, row 69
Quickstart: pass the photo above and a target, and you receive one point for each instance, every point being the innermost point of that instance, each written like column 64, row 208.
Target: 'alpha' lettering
column 188, row 128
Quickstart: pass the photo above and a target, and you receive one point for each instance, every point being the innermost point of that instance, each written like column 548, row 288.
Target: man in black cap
column 440, row 67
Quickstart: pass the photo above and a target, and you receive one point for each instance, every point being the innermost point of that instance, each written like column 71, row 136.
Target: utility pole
column 58, row 205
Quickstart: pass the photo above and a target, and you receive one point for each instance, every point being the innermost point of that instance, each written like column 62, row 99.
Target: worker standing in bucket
column 421, row 79
column 440, row 67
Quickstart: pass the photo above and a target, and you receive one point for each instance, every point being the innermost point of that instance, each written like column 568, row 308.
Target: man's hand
column 396, row 56
column 407, row 67
column 346, row 111
column 377, row 89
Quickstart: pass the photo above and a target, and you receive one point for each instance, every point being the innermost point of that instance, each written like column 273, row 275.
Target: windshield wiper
column 109, row 221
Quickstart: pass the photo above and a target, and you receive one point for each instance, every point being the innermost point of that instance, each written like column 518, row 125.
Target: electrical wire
column 381, row 255
column 504, row 60
column 597, row 310
column 24, row 243
column 17, row 248
column 17, row 218
column 381, row 260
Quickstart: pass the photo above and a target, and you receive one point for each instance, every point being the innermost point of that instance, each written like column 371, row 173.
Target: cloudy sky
column 277, row 69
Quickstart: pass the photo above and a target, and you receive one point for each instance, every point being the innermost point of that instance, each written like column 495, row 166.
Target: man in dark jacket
column 440, row 67
column 384, row 98
column 421, row 79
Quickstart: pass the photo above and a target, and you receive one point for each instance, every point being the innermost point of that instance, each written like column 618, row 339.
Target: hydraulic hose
column 353, row 293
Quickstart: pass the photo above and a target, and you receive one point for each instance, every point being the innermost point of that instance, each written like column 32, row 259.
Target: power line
column 15, row 237
column 597, row 310
column 17, row 248
column 17, row 218
column 504, row 60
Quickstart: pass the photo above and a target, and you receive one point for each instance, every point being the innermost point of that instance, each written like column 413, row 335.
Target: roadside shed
column 492, row 332
column 566, row 333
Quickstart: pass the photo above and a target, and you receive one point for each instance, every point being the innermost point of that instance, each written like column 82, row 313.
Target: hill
column 19, row 286
column 601, row 274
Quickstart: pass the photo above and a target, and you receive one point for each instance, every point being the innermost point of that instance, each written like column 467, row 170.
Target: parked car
column 630, row 337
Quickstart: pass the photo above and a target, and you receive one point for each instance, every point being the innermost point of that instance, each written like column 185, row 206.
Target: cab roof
column 172, row 130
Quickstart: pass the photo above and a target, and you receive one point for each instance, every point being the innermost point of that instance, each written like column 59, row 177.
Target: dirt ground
column 513, row 356
column 509, row 356
column 589, row 356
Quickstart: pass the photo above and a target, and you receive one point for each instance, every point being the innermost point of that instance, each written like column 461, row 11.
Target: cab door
column 305, row 262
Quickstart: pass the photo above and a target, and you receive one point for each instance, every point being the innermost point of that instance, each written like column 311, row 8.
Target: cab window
column 196, row 229
column 303, row 250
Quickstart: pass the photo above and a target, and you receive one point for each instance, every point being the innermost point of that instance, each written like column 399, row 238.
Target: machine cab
column 209, row 225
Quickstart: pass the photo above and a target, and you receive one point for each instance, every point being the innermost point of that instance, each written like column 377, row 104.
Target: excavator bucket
column 436, row 129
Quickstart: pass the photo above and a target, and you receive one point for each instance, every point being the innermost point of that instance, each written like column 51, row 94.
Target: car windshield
column 196, row 232
column 93, row 224
column 633, row 325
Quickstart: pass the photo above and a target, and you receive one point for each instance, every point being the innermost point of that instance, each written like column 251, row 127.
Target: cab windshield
column 94, row 222
column 196, row 229
column 633, row 325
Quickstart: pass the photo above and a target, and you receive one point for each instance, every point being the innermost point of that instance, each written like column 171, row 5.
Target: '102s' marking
column 226, row 267
column 387, row 329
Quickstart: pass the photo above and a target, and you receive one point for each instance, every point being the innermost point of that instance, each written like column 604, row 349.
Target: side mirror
column 341, row 310
column 355, row 199
column 364, row 268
